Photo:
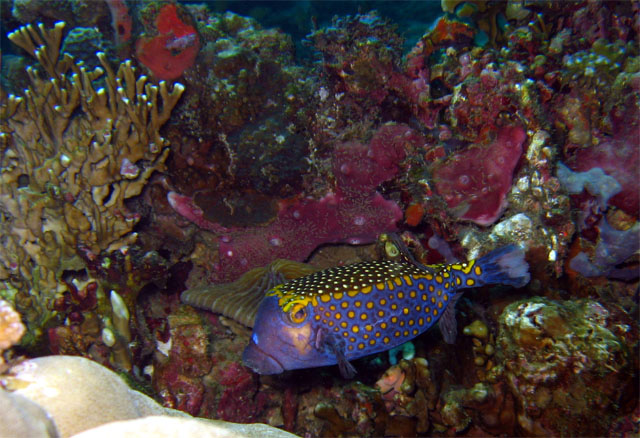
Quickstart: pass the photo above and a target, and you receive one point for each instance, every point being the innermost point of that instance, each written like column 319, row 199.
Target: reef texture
column 561, row 356
column 505, row 122
column 354, row 212
column 72, row 154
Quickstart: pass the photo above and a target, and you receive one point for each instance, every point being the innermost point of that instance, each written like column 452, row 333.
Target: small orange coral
column 413, row 214
column 390, row 384
column 11, row 327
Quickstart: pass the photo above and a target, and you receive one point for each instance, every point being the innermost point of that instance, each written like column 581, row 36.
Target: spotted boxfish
column 344, row 313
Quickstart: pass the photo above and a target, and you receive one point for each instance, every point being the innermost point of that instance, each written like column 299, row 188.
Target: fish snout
column 259, row 361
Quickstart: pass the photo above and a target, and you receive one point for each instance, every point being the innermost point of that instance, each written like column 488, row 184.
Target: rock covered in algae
column 81, row 395
column 167, row 427
column 244, row 119
column 409, row 391
column 566, row 363
column 19, row 416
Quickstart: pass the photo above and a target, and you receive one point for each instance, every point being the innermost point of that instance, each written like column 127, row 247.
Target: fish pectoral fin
column 346, row 369
column 448, row 325
column 329, row 342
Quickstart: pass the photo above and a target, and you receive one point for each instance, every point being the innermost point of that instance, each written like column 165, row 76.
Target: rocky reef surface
column 155, row 147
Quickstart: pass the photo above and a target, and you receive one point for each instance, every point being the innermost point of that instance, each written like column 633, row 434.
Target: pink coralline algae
column 173, row 50
column 359, row 168
column 474, row 183
column 354, row 213
column 240, row 400
column 298, row 229
column 178, row 371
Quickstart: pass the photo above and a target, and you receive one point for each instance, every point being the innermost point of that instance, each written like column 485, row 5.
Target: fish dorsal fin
column 240, row 299
column 394, row 240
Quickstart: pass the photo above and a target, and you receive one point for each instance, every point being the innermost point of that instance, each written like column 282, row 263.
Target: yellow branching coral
column 71, row 153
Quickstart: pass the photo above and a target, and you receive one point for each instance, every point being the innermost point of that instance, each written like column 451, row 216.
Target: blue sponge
column 595, row 181
column 614, row 247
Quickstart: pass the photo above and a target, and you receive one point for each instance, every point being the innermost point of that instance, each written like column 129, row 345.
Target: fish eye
column 391, row 249
column 298, row 313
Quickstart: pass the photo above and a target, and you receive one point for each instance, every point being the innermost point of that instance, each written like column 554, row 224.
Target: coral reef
column 492, row 123
column 173, row 48
column 354, row 213
column 72, row 155
column 561, row 360
column 486, row 124
column 83, row 398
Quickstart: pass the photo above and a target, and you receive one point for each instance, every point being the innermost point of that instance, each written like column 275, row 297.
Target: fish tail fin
column 504, row 265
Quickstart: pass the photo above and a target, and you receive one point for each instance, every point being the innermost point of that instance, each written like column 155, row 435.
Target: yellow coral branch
column 70, row 156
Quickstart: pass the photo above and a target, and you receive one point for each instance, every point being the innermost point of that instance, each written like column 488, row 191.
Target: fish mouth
column 260, row 361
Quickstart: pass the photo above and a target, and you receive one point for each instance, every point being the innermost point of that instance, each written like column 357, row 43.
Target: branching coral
column 71, row 155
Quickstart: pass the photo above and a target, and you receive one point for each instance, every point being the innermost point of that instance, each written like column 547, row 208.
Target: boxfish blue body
column 343, row 313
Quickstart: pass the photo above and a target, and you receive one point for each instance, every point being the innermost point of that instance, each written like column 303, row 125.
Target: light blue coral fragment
column 614, row 247
column 408, row 351
column 595, row 181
